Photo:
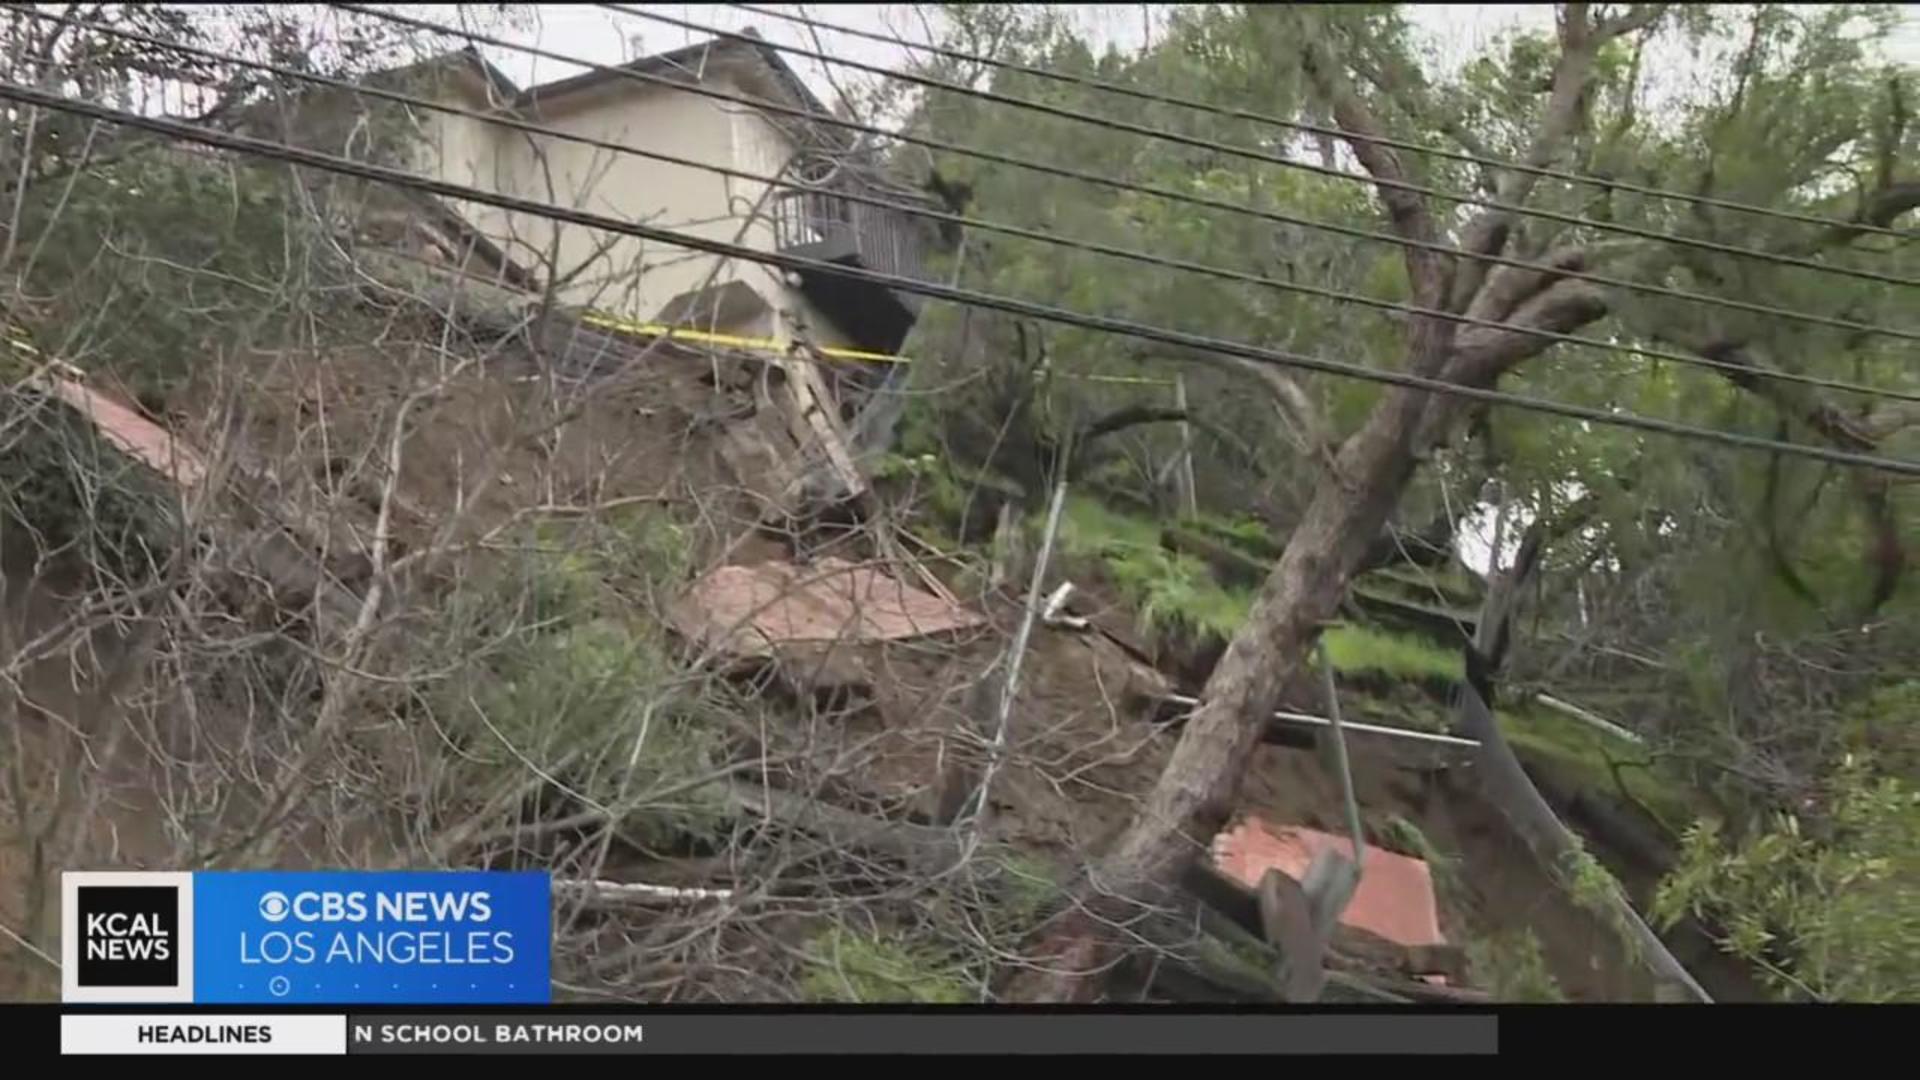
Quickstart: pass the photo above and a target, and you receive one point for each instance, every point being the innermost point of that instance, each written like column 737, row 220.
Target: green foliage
column 155, row 259
column 1248, row 533
column 1828, row 906
column 1594, row 761
column 567, row 686
column 1089, row 527
column 1171, row 593
column 870, row 968
column 1028, row 887
column 1511, row 967
column 66, row 486
column 1177, row 593
column 1594, row 888
column 1885, row 724
column 1357, row 649
column 1397, row 833
column 645, row 554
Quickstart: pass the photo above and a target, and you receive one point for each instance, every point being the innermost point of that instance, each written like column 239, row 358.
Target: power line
column 814, row 116
column 1164, row 98
column 27, row 95
column 1109, row 250
column 1252, row 154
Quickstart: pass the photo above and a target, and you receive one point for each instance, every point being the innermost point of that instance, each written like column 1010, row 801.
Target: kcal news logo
column 410, row 937
column 127, row 937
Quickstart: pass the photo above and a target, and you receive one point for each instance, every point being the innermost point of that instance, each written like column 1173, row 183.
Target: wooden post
column 1183, row 476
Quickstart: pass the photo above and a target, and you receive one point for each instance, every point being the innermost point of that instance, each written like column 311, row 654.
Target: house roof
column 687, row 61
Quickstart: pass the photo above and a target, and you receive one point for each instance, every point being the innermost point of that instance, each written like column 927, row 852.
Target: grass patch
column 1249, row 535
column 1028, row 886
column 1444, row 586
column 1171, row 593
column 1396, row 833
column 1089, row 528
column 1355, row 649
column 1409, row 711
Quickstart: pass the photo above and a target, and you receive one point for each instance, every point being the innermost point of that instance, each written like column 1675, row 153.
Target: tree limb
column 1573, row 72
column 1885, row 557
column 1637, row 17
column 1483, row 353
column 1878, row 211
column 1428, row 271
column 1410, row 101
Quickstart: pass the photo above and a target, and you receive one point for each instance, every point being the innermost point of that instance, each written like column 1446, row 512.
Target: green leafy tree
column 1796, row 112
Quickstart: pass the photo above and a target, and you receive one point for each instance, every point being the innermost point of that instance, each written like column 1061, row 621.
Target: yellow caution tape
column 19, row 339
column 733, row 341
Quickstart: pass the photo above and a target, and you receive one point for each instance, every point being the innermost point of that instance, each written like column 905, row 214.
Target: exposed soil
column 890, row 728
column 1085, row 749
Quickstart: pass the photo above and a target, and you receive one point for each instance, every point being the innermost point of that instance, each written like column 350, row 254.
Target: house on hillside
column 639, row 105
column 833, row 413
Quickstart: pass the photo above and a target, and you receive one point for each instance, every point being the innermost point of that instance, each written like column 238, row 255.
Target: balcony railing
column 832, row 226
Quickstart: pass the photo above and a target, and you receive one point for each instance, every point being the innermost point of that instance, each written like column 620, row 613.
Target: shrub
column 1828, row 908
column 1511, row 967
column 845, row 966
column 563, row 684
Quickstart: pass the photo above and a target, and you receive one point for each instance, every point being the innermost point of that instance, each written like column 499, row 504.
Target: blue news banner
column 325, row 938
column 396, row 938
column 485, row 938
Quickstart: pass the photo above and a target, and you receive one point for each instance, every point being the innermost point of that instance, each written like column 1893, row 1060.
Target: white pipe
column 1598, row 722
column 1350, row 725
column 639, row 891
column 1053, row 616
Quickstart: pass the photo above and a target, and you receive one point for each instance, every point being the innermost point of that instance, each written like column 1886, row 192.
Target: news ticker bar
column 799, row 1033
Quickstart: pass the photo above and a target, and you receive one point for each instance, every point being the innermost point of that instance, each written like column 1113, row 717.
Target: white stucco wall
column 622, row 274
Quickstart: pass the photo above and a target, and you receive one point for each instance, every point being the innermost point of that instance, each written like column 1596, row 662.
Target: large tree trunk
column 1354, row 498
column 1350, row 508
column 1196, row 789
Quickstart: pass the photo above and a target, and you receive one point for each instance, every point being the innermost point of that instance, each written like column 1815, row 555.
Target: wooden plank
column 819, row 424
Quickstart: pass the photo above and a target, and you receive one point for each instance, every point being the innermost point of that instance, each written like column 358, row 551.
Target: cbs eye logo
column 275, row 906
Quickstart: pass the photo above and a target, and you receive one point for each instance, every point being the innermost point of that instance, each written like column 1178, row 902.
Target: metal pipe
column 1340, row 758
column 1351, row 725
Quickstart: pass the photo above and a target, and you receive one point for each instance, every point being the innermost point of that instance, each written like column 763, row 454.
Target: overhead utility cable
column 1132, row 254
column 29, row 95
column 1267, row 157
column 682, row 84
column 1161, row 97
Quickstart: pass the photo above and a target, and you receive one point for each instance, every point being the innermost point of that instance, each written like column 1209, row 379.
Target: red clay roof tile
column 1395, row 897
